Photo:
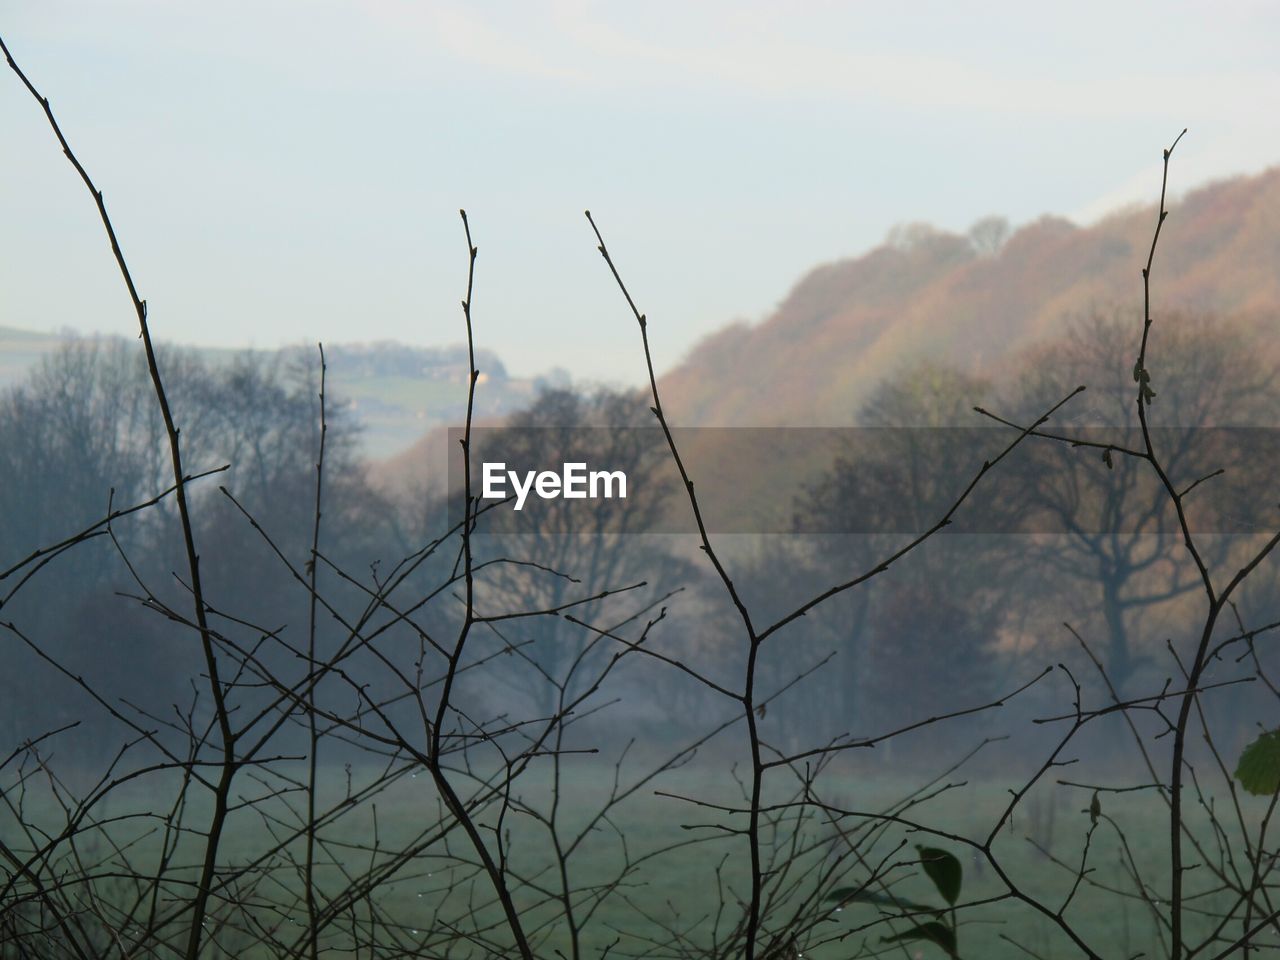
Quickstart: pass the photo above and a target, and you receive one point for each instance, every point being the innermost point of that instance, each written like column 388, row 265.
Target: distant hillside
column 972, row 301
column 395, row 391
column 20, row 350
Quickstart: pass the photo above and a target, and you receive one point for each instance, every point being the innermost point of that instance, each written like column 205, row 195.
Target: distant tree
column 603, row 544
column 83, row 433
column 85, row 423
column 1118, row 550
column 988, row 235
column 905, row 236
column 902, row 470
column 82, row 424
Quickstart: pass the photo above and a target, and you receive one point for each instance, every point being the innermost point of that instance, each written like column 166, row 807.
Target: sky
column 286, row 172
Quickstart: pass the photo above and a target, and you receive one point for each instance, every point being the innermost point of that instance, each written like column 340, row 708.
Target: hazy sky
column 291, row 171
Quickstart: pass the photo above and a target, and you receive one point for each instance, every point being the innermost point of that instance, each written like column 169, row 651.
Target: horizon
column 65, row 331
column 280, row 178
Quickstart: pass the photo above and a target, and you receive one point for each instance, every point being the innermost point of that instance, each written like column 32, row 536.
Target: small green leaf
column 944, row 870
column 934, row 932
column 1106, row 458
column 1259, row 768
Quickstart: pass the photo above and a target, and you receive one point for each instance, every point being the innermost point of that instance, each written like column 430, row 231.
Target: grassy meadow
column 689, row 875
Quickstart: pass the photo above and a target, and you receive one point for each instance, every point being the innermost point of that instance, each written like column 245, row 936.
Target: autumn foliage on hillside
column 970, row 302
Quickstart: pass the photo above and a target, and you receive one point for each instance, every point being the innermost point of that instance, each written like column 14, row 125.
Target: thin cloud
column 818, row 53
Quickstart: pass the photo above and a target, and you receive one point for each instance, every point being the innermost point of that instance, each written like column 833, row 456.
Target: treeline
column 1092, row 545
column 83, row 438
column 1092, row 552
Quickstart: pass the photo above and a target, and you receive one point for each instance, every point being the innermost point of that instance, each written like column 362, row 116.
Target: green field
column 682, row 900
